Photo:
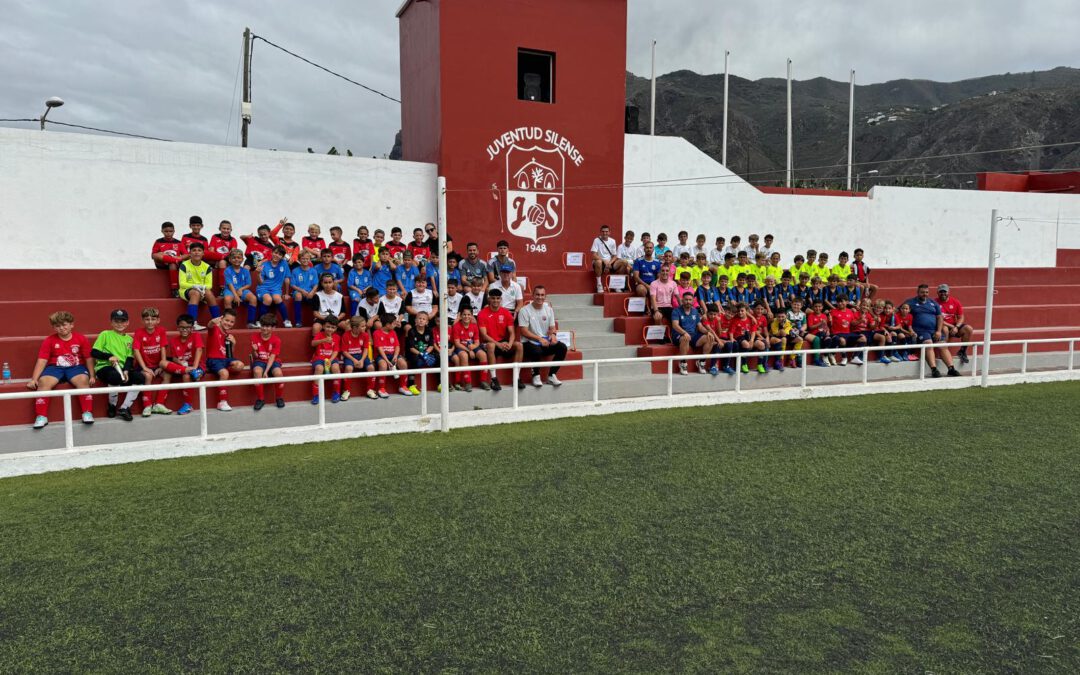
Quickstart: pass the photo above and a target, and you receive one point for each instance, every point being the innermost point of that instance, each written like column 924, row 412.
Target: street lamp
column 52, row 102
column 858, row 176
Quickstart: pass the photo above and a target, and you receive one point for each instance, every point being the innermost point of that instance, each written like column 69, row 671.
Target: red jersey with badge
column 258, row 251
column 215, row 341
column 904, row 321
column 951, row 309
column 366, row 249
column 188, row 239
column 314, row 243
column 183, row 351
column 497, row 324
column 740, row 327
column 150, row 346
column 342, row 252
column 326, row 350
column 816, row 323
column 387, row 341
column 171, row 246
column 466, row 335
column 221, row 246
column 762, row 324
column 395, row 247
column 358, row 346
column 65, row 353
column 418, row 250
column 840, row 321
column 262, row 347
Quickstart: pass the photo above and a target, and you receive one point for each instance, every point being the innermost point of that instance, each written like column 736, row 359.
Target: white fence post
column 322, row 403
column 69, row 427
column 866, row 366
column 596, row 383
column 204, row 422
column 738, row 374
column 1023, row 358
column 670, row 378
column 423, row 395
column 514, row 384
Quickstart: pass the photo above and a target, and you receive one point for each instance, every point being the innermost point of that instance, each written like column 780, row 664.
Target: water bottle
column 7, row 373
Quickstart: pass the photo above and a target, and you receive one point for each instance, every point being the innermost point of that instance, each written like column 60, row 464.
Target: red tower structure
column 521, row 105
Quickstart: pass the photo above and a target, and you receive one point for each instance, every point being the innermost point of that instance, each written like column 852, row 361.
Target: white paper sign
column 575, row 259
column 635, row 304
column 566, row 337
column 617, row 282
column 655, row 333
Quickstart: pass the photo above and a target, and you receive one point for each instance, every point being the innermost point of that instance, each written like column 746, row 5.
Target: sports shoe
column 821, row 363
column 122, row 413
column 762, row 369
column 953, row 372
column 148, row 411
column 335, row 398
column 714, row 371
column 521, row 383
column 537, row 382
column 224, row 406
column 682, row 368
column 599, row 287
column 554, row 381
column 160, row 409
column 197, row 374
column 184, row 409
column 298, row 325
column 934, row 372
column 962, row 355
column 383, row 394
column 345, row 395
column 404, row 391
column 885, row 360
column 259, row 403
column 780, row 365
column 495, row 386
column 913, row 357
column 415, row 391
column 110, row 412
column 842, row 361
column 253, row 325
column 745, row 368
column 831, row 358
column 701, row 366
column 314, row 400
column 287, row 324
column 88, row 418
column 485, row 385
column 729, row 370
column 371, row 394
column 279, row 402
column 467, row 387
column 856, row 361
column 198, row 326
column 457, row 387
column 40, row 422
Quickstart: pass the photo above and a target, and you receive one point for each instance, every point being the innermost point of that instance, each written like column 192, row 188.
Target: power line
column 21, row 119
column 106, row 131
column 323, row 68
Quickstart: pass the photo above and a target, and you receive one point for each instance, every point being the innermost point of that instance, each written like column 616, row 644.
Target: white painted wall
column 77, row 201
column 898, row 227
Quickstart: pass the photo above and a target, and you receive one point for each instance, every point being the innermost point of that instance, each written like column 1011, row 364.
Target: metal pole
column 723, row 153
column 444, row 353
column 204, row 428
column 322, row 403
column 851, row 129
column 69, row 427
column 789, row 151
column 652, row 96
column 245, row 94
column 988, row 321
column 596, row 383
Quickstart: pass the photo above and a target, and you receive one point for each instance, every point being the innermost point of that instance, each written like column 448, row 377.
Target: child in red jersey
column 257, row 247
column 150, row 347
column 219, row 353
column 761, row 330
column 387, row 350
column 904, row 319
column 325, row 360
column 64, row 357
column 356, row 355
column 363, row 246
column 287, row 240
column 195, row 224
column 339, row 248
column 167, row 254
column 716, row 326
column 465, row 340
column 743, row 330
column 313, row 243
column 418, row 247
column 817, row 334
column 184, row 356
column 217, row 251
column 266, row 360
column 862, row 273
column 840, row 325
column 873, row 328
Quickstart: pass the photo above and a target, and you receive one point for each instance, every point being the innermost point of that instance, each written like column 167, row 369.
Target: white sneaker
column 843, row 361
column 536, row 381
column 554, row 381
column 345, row 395
column 198, row 326
column 147, row 412
column 253, row 325
column 224, row 406
column 371, row 394
column 599, row 287
column 404, row 392
column 87, row 418
column 701, row 366
column 160, row 409
column 287, row 324
column 682, row 369
column 856, row 361
column 40, row 422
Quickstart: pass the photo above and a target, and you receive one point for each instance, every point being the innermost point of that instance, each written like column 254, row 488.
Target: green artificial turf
column 904, row 533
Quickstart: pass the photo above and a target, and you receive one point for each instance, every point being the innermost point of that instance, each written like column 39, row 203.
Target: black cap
column 118, row 315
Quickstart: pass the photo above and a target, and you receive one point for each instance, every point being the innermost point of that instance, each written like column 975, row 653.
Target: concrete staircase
column 596, row 337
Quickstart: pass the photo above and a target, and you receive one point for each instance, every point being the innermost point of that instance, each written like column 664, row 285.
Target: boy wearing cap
column 115, row 363
column 510, row 294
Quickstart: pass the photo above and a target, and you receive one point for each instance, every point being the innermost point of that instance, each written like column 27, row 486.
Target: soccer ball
column 536, row 215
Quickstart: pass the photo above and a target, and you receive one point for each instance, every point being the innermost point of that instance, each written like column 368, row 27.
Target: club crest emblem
column 534, row 192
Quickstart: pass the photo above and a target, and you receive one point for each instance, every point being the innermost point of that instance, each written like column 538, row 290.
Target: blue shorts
column 257, row 364
column 471, row 352
column 217, row 365
column 322, row 364
column 365, row 362
column 267, row 290
column 921, row 336
column 64, row 374
column 380, row 357
column 694, row 337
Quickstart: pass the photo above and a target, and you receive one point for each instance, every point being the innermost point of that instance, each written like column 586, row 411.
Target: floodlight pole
column 245, row 94
column 723, row 152
column 444, row 353
column 652, row 96
column 789, row 144
column 851, row 129
column 988, row 322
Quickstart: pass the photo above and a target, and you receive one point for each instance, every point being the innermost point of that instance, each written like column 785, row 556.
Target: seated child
column 184, row 358
column 356, row 355
column 327, row 346
column 115, row 363
column 387, row 351
column 265, row 360
column 167, row 253
column 465, row 340
column 219, row 352
column 64, row 357
column 238, row 286
column 303, row 283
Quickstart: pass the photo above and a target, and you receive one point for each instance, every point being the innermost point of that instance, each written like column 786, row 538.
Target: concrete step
column 570, row 300
column 599, row 340
column 574, row 313
column 597, row 325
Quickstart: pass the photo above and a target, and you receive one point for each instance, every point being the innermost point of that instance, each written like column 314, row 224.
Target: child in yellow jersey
column 842, row 269
column 701, row 265
column 760, row 268
column 799, row 268
column 774, row 269
column 197, row 283
column 822, row 267
column 684, row 265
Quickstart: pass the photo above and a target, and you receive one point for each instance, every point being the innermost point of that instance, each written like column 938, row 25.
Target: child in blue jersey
column 328, row 266
column 853, row 290
column 304, row 283
column 274, row 275
column 359, row 282
column 406, row 275
column 382, row 271
column 238, row 286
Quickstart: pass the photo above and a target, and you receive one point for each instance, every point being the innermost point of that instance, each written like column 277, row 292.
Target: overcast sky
column 169, row 68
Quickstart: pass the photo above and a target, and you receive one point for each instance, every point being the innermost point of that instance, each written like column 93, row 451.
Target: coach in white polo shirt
column 512, row 295
column 536, row 322
column 605, row 256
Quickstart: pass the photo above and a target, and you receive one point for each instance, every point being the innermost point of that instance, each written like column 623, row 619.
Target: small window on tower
column 536, row 76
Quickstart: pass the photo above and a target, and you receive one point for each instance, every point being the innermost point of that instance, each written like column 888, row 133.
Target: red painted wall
column 1067, row 182
column 420, row 83
column 812, row 192
column 486, row 136
column 1002, row 182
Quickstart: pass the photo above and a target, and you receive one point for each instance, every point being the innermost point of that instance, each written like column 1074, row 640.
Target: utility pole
column 790, row 154
column 245, row 95
column 850, row 128
column 652, row 94
column 723, row 153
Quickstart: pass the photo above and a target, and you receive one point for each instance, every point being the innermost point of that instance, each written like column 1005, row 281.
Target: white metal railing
column 67, row 394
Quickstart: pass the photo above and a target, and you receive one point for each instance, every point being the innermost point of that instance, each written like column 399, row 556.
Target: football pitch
column 891, row 533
